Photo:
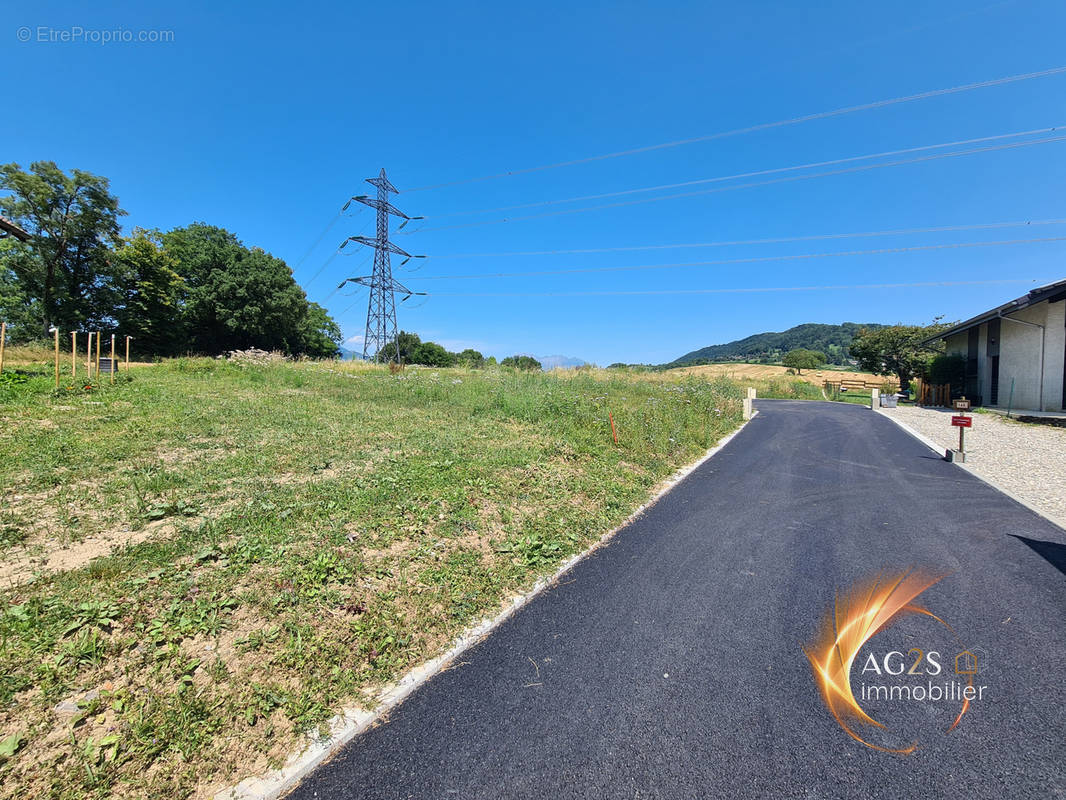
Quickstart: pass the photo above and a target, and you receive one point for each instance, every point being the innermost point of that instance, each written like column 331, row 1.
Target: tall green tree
column 431, row 354
column 409, row 343
column 237, row 298
column 21, row 313
column 150, row 294
column 801, row 359
column 897, row 349
column 320, row 336
column 471, row 358
column 63, row 270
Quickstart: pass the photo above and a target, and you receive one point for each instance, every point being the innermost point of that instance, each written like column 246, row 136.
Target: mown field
column 201, row 564
column 767, row 372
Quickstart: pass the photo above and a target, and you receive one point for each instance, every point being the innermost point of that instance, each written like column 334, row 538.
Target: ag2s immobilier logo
column 925, row 664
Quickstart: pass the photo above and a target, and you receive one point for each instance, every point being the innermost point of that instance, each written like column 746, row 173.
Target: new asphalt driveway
column 670, row 663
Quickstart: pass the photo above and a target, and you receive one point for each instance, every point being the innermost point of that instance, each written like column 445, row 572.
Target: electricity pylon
column 381, row 311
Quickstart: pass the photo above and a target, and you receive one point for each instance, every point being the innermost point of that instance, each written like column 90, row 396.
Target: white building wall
column 1055, row 347
column 1019, row 357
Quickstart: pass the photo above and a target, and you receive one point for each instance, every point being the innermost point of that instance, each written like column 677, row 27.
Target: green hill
column 833, row 340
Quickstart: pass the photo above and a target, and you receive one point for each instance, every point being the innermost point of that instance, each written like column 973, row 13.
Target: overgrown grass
column 786, row 389
column 857, row 397
column 297, row 535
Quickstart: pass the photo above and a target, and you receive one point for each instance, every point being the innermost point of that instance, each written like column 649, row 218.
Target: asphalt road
column 670, row 663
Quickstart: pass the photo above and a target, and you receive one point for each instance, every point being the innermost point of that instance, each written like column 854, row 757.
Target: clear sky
column 264, row 118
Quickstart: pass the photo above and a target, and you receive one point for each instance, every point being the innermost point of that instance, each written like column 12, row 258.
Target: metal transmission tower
column 381, row 311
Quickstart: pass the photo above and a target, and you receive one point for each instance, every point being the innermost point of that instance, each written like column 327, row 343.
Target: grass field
column 761, row 372
column 203, row 563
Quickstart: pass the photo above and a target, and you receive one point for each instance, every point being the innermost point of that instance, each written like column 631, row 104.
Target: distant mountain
column 833, row 340
column 562, row 362
column 347, row 354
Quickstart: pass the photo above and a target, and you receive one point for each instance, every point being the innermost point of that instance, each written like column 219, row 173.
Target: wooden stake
column 128, row 354
column 56, row 331
column 112, row 358
column 89, row 356
column 3, row 336
column 98, row 355
column 73, row 355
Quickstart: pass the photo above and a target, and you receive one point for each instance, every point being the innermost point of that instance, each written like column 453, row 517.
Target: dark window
column 992, row 345
column 994, row 391
column 973, row 380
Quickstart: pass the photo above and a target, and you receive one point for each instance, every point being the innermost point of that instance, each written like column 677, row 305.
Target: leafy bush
column 947, row 369
column 522, row 362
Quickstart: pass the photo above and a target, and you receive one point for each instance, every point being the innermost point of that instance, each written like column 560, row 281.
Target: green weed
column 331, row 526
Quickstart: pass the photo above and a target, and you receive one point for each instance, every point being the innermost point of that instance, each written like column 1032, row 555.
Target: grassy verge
column 858, row 398
column 798, row 389
column 207, row 561
column 786, row 389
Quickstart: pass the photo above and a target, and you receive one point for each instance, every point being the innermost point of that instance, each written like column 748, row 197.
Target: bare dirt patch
column 51, row 555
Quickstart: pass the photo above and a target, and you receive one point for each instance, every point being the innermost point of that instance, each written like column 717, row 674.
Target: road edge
column 351, row 722
column 964, row 466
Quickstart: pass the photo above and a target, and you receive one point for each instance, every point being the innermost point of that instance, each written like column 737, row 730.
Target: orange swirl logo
column 859, row 616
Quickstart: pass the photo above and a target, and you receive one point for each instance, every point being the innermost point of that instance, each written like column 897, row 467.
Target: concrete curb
column 919, row 436
column 352, row 721
column 963, row 465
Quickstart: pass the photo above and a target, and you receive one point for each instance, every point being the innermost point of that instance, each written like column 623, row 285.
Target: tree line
column 905, row 351
column 195, row 289
column 409, row 348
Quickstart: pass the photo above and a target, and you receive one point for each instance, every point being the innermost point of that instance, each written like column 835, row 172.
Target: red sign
column 962, row 422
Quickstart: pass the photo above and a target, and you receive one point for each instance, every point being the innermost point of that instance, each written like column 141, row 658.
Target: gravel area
column 1029, row 461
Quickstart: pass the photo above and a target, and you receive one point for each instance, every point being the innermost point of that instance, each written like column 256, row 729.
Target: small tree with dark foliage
column 801, row 359
column 527, row 363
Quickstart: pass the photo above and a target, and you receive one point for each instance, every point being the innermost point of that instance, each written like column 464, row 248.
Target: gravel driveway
column 1026, row 460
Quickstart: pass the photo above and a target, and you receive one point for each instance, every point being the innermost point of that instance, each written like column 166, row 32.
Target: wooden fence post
column 98, row 355
column 128, row 354
column 73, row 355
column 3, row 336
column 56, row 332
column 112, row 358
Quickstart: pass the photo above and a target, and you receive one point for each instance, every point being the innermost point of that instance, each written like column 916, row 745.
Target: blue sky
column 266, row 121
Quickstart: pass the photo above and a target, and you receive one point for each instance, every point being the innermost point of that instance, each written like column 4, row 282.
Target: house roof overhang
column 1051, row 292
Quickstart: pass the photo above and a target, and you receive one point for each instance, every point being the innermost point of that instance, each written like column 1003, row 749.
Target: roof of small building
column 1051, row 292
column 9, row 228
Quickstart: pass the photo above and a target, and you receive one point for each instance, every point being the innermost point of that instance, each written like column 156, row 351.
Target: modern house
column 1016, row 353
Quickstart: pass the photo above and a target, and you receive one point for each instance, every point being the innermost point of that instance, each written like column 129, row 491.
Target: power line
column 325, row 264
column 753, row 128
column 317, row 242
column 333, row 255
column 778, row 240
column 751, row 260
column 753, row 184
column 719, row 179
column 358, row 296
column 842, row 287
column 359, row 268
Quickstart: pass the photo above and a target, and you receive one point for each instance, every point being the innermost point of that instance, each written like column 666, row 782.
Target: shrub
column 947, row 369
column 522, row 362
